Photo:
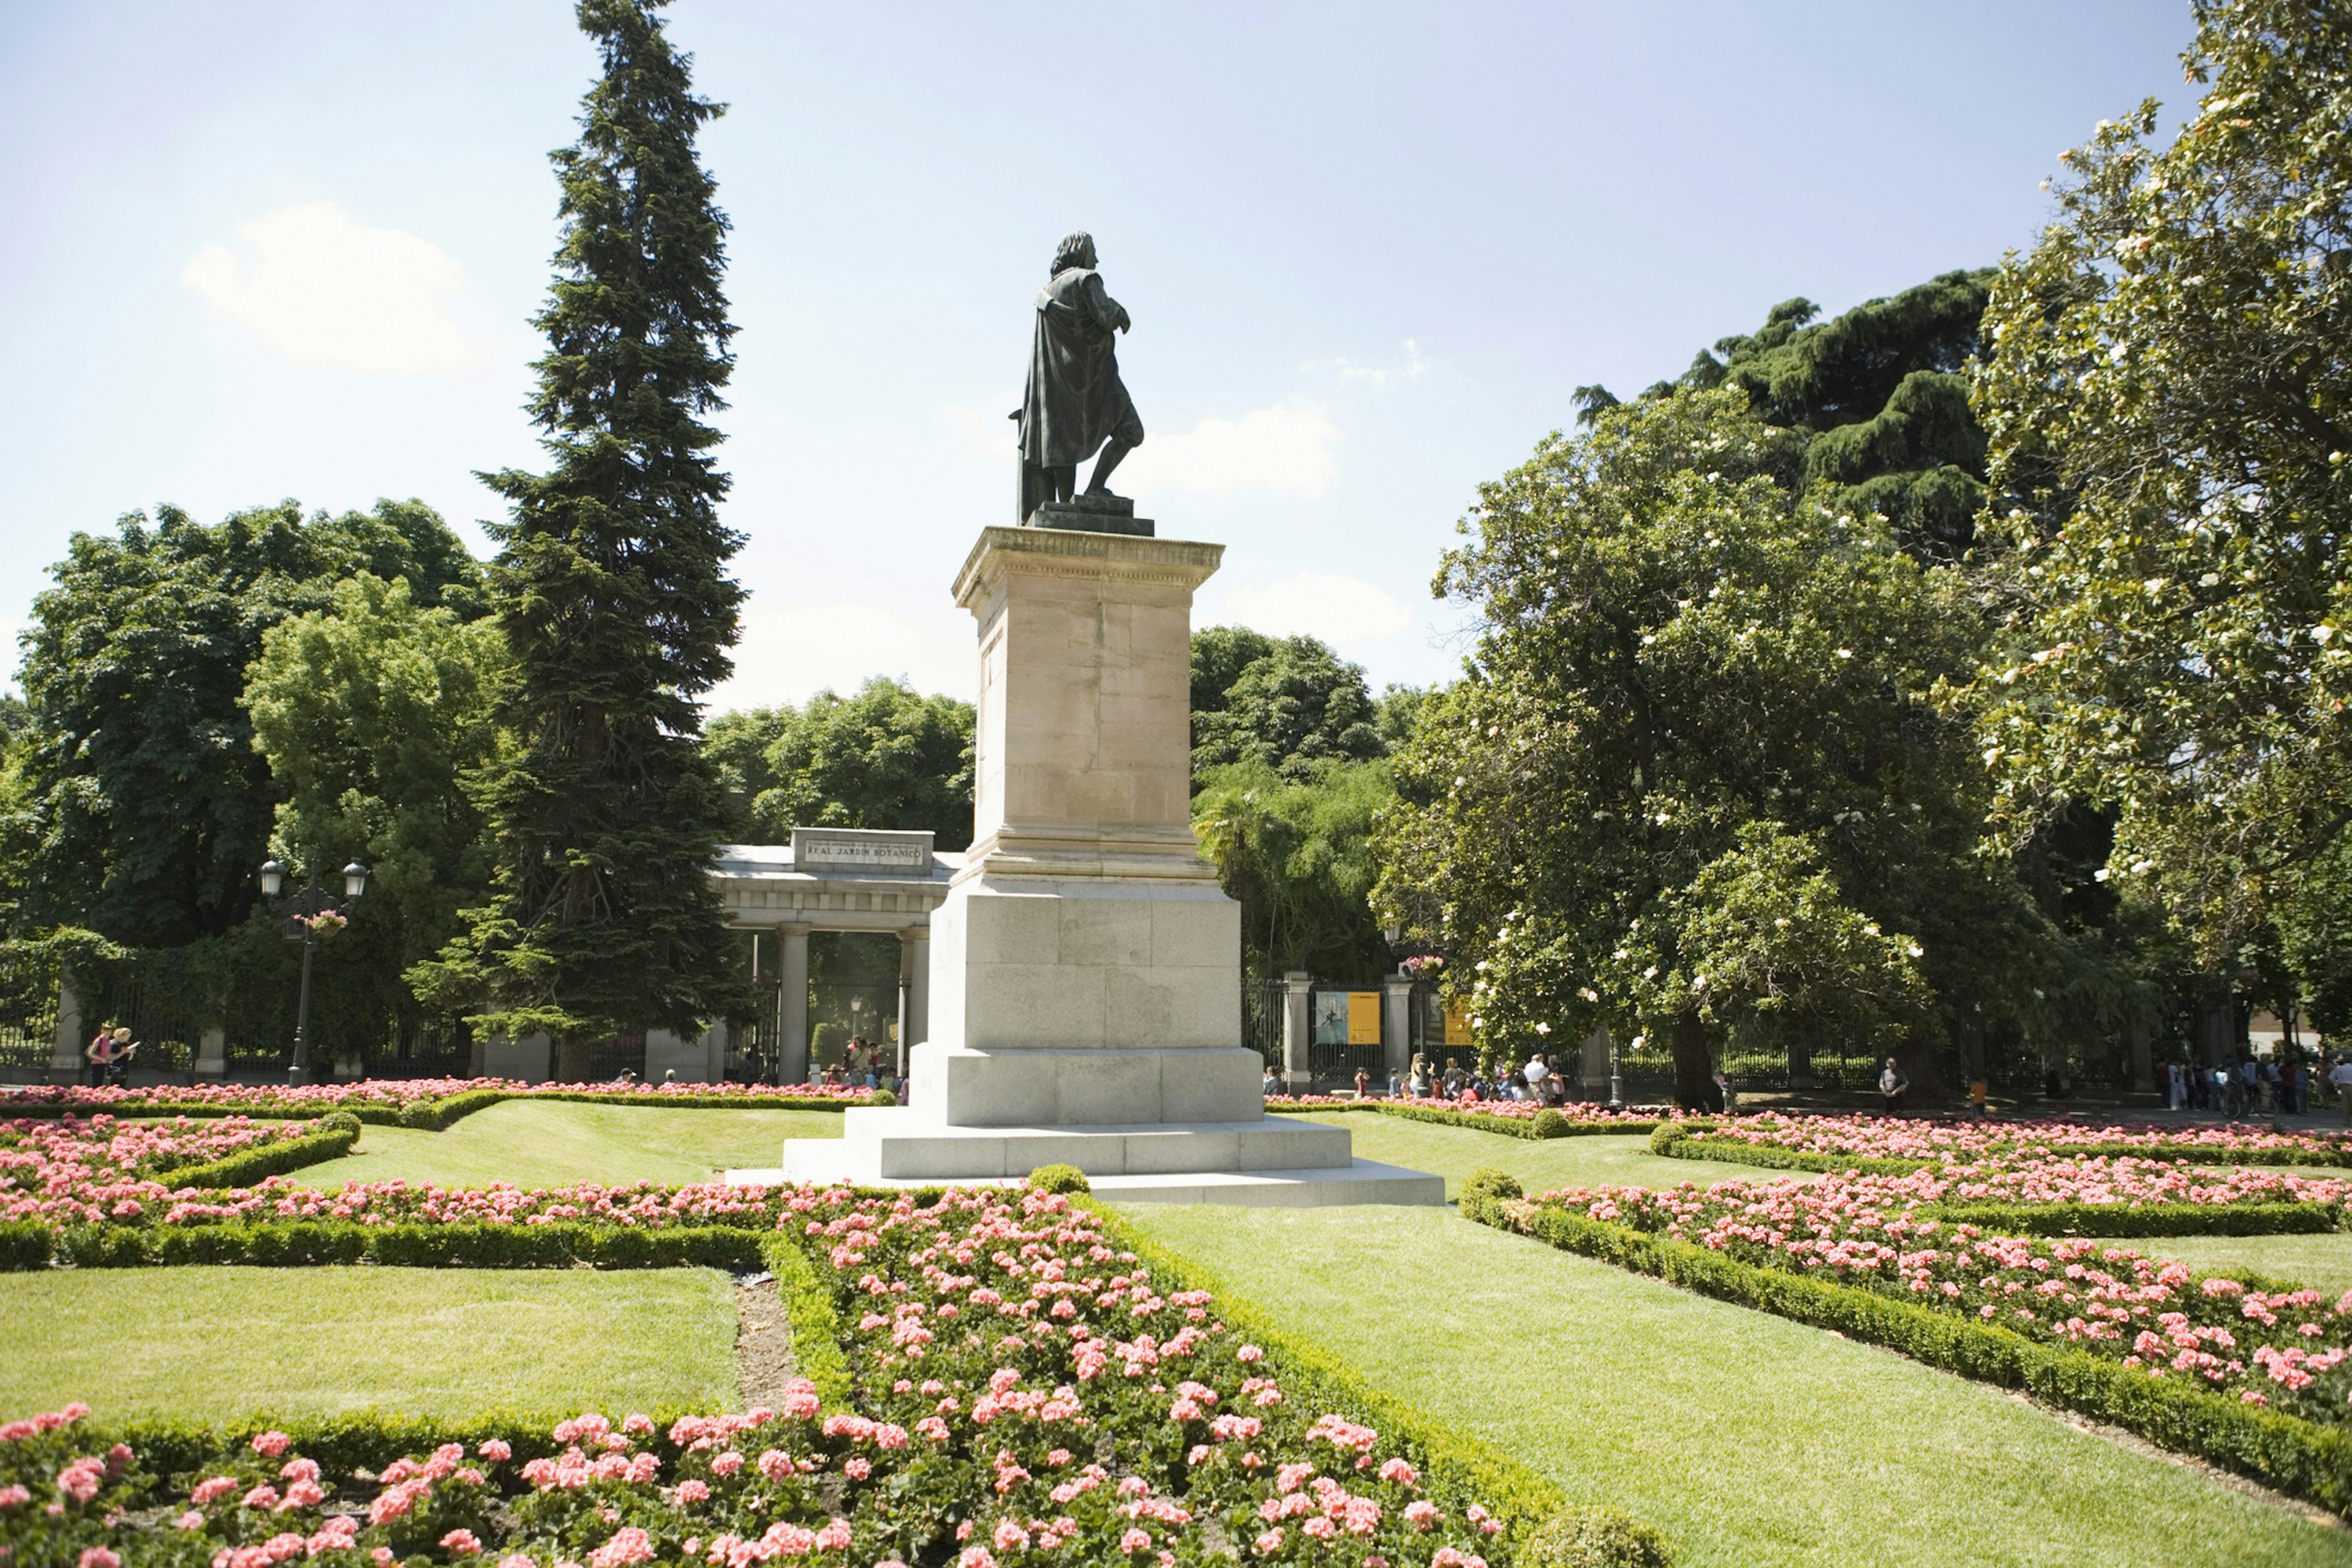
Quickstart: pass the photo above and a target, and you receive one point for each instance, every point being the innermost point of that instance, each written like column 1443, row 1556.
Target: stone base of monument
column 1274, row 1161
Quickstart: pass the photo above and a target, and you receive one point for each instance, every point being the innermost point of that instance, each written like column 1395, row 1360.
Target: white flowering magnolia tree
column 2169, row 407
column 1692, row 778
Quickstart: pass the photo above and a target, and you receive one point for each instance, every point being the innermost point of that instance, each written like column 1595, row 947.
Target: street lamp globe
column 273, row 877
column 355, row 878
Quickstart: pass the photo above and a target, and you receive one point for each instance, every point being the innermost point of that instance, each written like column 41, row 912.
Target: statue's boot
column 1113, row 450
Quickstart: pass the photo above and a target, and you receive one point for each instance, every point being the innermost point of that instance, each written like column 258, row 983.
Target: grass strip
column 2293, row 1455
column 1570, row 1534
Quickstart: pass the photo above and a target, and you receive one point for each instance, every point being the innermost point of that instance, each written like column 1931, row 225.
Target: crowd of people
column 2257, row 1086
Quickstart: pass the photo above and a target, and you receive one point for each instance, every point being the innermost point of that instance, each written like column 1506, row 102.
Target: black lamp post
column 305, row 912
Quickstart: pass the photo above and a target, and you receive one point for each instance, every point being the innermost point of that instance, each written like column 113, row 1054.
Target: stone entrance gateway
column 836, row 879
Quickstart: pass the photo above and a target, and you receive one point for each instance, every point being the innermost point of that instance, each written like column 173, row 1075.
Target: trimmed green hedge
column 2295, row 1456
column 816, row 1323
column 430, row 1115
column 334, row 1139
column 2148, row 1220
column 2198, row 1154
column 302, row 1244
column 1509, row 1126
column 1570, row 1535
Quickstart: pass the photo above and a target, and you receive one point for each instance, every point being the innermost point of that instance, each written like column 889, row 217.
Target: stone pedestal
column 1085, row 997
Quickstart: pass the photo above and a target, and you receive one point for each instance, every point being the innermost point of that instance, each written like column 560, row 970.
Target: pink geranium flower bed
column 2285, row 1348
column 1026, row 1392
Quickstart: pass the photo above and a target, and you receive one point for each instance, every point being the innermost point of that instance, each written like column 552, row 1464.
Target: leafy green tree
column 737, row 743
column 887, row 756
column 613, row 590
column 375, row 714
column 1293, row 706
column 1220, row 654
column 1689, row 687
column 141, row 809
column 1875, row 403
column 1296, row 847
column 1400, row 713
column 2169, row 407
column 2314, row 932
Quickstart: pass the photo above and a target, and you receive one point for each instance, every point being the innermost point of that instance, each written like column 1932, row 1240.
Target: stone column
column 1396, row 1024
column 915, row 987
column 792, row 1016
column 1595, row 1069
column 211, row 1053
column 1298, row 1030
column 65, row 1048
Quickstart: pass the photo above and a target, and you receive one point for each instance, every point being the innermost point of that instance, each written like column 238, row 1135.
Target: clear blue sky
column 262, row 250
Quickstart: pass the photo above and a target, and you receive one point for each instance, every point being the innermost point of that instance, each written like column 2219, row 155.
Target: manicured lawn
column 1621, row 1160
column 2323, row 1262
column 542, row 1143
column 214, row 1344
column 1751, row 1439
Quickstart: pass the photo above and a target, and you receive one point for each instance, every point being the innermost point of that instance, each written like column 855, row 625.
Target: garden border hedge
column 2293, row 1455
column 1509, row 1126
column 2142, row 1219
column 429, row 1115
column 246, row 1167
column 1669, row 1139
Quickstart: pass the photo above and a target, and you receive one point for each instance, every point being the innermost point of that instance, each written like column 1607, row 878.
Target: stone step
column 1357, row 1182
column 904, row 1144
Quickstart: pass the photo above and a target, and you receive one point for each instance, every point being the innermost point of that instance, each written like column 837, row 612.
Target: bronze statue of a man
column 1075, row 402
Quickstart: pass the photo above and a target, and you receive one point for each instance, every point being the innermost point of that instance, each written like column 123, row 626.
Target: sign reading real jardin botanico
column 861, row 849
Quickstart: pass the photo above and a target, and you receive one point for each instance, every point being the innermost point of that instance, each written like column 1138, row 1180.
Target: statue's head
column 1076, row 250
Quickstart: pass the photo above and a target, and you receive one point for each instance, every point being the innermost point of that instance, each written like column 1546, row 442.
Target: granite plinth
column 1110, row 1086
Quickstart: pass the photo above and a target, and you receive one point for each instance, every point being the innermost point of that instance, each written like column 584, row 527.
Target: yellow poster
column 1457, row 1028
column 1363, row 1018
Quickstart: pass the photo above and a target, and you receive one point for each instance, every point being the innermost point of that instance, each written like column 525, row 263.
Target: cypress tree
column 613, row 590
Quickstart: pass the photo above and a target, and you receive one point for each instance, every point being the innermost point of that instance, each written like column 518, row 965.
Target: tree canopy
column 143, row 809
column 2170, row 405
column 375, row 716
column 1874, row 403
column 885, row 756
column 1695, row 692
column 1290, row 702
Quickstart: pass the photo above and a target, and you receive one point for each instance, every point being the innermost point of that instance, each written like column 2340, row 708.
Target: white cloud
column 1287, row 450
column 986, row 435
column 792, row 651
column 1344, row 612
column 326, row 290
column 1377, row 378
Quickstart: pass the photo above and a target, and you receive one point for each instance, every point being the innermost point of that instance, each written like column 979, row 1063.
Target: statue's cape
column 1075, row 400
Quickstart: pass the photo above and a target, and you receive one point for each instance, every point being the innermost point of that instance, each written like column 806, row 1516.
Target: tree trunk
column 2143, row 1063
column 2217, row 1020
column 1916, row 1062
column 1694, row 1064
column 574, row 1057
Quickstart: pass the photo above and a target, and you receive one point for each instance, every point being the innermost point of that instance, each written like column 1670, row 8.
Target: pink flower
column 1270, row 1541
column 213, row 1490
column 1135, row 1541
column 270, row 1445
column 498, row 1451
column 461, row 1541
column 858, row 1470
column 691, row 1491
column 100, row 1557
column 629, row 1545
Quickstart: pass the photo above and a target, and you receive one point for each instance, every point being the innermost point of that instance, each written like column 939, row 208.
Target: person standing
column 1891, row 1085
column 1363, row 1084
column 100, row 1056
column 2340, row 1077
column 1978, row 1091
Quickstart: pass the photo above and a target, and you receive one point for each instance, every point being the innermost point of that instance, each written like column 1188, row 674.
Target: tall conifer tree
column 613, row 589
